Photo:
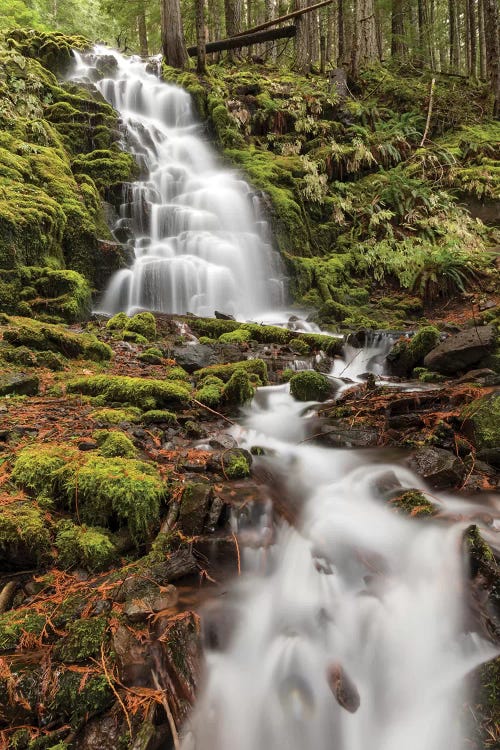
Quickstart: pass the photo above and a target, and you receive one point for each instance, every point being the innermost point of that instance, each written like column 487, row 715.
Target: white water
column 198, row 239
column 354, row 585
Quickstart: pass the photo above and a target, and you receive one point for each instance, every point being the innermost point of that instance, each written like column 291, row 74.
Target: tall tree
column 302, row 40
column 172, row 34
column 454, row 35
column 201, row 40
column 398, row 43
column 482, row 40
column 472, row 34
column 142, row 31
column 364, row 38
column 341, row 34
column 492, row 34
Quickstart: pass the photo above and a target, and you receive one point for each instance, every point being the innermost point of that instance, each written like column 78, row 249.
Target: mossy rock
column 236, row 464
column 25, row 537
column 159, row 416
column 210, row 394
column 114, row 444
column 87, row 546
column 408, row 353
column 45, row 337
column 74, row 703
column 146, row 393
column 151, row 356
column 238, row 390
column 310, row 385
column 15, row 624
column 239, row 336
column 43, row 469
column 413, row 503
column 116, row 416
column 84, row 639
column 481, row 420
column 143, row 324
column 225, row 372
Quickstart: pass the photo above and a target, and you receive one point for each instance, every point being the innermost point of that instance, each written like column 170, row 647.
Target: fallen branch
column 217, row 414
column 173, row 728
column 429, row 112
column 287, row 17
column 246, row 40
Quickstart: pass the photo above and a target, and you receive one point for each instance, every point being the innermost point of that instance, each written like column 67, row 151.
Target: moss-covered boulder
column 481, row 420
column 225, row 372
column 84, row 639
column 413, row 503
column 85, row 546
column 238, row 390
column 310, row 385
column 45, row 337
column 114, row 444
column 410, row 352
column 146, row 393
column 25, row 537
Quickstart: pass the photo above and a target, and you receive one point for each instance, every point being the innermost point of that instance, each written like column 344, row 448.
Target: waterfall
column 348, row 631
column 198, row 239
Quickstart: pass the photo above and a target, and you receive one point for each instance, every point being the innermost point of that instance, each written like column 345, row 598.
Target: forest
column 249, row 374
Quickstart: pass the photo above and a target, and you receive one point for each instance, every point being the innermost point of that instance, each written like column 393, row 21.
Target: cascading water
column 347, row 632
column 198, row 239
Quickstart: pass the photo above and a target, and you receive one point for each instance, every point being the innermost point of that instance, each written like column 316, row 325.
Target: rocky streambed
column 129, row 497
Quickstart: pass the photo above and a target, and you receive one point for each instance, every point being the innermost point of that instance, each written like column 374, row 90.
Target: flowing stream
column 346, row 631
column 198, row 237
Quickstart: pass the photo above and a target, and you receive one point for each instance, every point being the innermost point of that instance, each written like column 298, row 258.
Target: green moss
column 238, row 389
column 287, row 374
column 151, row 356
column 118, row 322
column 159, row 416
column 116, row 416
column 483, row 416
column 14, row 624
column 108, row 168
column 84, row 546
column 210, row 392
column 75, row 702
column 408, row 353
column 224, row 372
column 24, row 533
column 239, row 336
column 177, row 373
column 299, row 346
column 113, row 444
column 236, row 466
column 51, row 360
column 44, row 337
column 42, row 469
column 413, row 503
column 144, row 324
column 146, row 393
column 83, row 640
column 124, row 489
column 309, row 385
column 136, row 338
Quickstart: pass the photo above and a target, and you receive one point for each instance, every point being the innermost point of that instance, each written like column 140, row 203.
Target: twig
column 237, row 552
column 115, row 691
column 218, row 414
column 429, row 113
column 173, row 728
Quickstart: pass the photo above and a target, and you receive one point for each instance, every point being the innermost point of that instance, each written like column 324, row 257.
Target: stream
column 347, row 630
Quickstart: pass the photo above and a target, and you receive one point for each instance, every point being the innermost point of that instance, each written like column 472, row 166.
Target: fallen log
column 246, row 40
column 287, row 17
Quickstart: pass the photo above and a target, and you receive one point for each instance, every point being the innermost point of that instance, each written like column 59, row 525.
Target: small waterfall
column 198, row 237
column 348, row 631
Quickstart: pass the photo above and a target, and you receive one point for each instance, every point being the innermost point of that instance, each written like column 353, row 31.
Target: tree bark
column 340, row 33
column 302, row 40
column 492, row 35
column 172, row 34
column 472, row 25
column 364, row 38
column 201, row 65
column 454, row 36
column 482, row 40
column 142, row 32
column 398, row 44
column 233, row 11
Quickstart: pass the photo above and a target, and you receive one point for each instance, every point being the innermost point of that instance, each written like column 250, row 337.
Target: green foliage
column 309, row 385
column 145, row 393
column 85, row 546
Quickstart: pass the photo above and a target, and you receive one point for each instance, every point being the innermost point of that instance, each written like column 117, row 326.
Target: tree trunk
column 379, row 34
column 142, row 32
column 482, row 40
column 473, row 37
column 233, row 11
column 242, row 40
column 492, row 31
column 302, row 41
column 201, row 41
column 340, row 33
column 364, row 38
column 398, row 44
column 172, row 35
column 454, row 36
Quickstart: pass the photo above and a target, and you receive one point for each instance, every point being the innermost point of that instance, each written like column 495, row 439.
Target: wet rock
column 481, row 422
column 132, row 656
column 484, row 376
column 460, row 351
column 87, row 445
column 343, row 688
column 218, row 622
column 441, row 468
column 339, row 434
column 485, row 575
column 196, row 500
column 153, row 600
column 102, row 733
column 223, row 316
column 19, row 384
column 195, row 357
column 385, row 484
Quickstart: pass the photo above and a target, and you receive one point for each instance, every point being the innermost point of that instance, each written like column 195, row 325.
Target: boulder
column 462, row 350
column 339, row 434
column 481, row 422
column 441, row 468
column 153, row 600
column 19, row 384
column 195, row 357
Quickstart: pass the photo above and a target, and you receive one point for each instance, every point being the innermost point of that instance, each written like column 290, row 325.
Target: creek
column 347, row 630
